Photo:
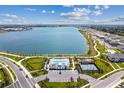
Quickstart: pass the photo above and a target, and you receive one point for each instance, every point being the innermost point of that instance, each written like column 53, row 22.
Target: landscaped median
column 12, row 56
column 5, row 78
column 35, row 65
column 46, row 84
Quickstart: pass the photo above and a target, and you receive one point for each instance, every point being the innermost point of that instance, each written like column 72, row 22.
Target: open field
column 35, row 65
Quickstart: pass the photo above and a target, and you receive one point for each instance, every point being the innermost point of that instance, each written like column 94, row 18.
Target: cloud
column 71, row 14
column 83, row 11
column 77, row 13
column 120, row 18
column 84, row 18
column 106, row 6
column 9, row 15
column 68, row 5
column 101, row 7
column 30, row 9
column 50, row 12
column 97, row 7
column 40, row 11
column 97, row 12
column 11, row 19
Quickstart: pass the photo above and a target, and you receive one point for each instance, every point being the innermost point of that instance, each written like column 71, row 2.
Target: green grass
column 111, row 74
column 117, row 50
column 88, row 36
column 122, row 77
column 12, row 73
column 103, row 66
column 100, row 48
column 16, row 58
column 121, row 64
column 103, row 69
column 36, row 63
column 46, row 84
column 5, row 78
column 39, row 73
column 1, row 75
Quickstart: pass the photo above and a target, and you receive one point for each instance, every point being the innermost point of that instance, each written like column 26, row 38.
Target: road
column 22, row 81
column 109, row 82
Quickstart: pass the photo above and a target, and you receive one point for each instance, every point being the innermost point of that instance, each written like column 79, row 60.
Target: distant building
column 116, row 57
column 121, row 48
column 114, row 44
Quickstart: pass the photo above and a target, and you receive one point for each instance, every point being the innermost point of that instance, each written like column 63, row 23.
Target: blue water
column 44, row 40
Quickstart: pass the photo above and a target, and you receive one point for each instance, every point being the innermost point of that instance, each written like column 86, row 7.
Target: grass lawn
column 39, row 73
column 16, row 58
column 111, row 74
column 36, row 63
column 1, row 75
column 88, row 36
column 46, row 84
column 121, row 64
column 104, row 68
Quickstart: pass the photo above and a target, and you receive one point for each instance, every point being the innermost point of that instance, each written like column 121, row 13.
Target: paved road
column 110, row 81
column 21, row 79
column 14, row 85
column 90, row 79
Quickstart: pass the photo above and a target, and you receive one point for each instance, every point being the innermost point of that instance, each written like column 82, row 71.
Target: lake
column 44, row 40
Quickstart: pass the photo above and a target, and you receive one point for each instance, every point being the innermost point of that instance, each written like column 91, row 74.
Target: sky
column 61, row 14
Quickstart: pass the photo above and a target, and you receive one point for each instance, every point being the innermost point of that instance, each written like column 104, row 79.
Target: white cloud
column 83, row 11
column 71, row 14
column 77, row 13
column 52, row 11
column 40, row 11
column 49, row 12
column 12, row 21
column 106, row 6
column 97, row 13
column 68, row 5
column 120, row 18
column 97, row 7
column 84, row 18
column 30, row 9
column 9, row 15
column 43, row 11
